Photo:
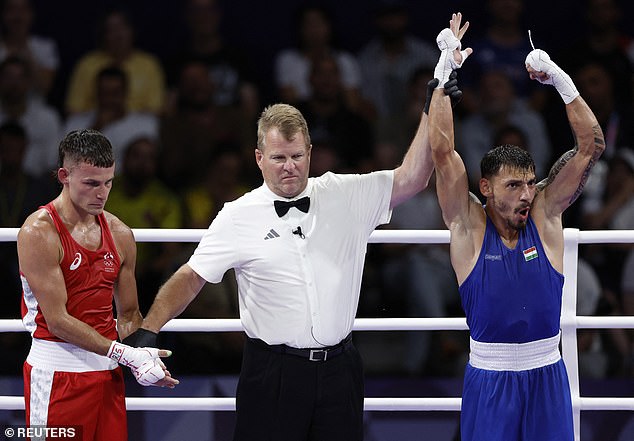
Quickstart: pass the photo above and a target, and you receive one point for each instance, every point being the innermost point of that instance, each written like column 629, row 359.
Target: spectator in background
column 20, row 195
column 20, row 192
column 500, row 107
column 223, row 182
column 111, row 115
column 333, row 123
column 597, row 85
column 503, row 48
column 389, row 59
column 315, row 40
column 146, row 79
column 16, row 21
column 602, row 41
column 41, row 122
column 228, row 67
column 195, row 128
column 141, row 200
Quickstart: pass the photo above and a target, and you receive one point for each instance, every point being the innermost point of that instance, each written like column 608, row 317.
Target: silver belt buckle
column 314, row 352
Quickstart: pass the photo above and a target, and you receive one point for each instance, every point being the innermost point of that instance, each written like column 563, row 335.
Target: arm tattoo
column 556, row 168
column 599, row 146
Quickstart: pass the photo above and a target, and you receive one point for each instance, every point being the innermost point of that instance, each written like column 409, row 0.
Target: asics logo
column 75, row 264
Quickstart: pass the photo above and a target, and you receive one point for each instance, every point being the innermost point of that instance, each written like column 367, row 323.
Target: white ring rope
column 378, row 236
column 370, row 404
column 570, row 322
column 360, row 324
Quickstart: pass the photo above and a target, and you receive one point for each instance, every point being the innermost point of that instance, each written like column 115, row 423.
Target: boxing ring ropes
column 570, row 322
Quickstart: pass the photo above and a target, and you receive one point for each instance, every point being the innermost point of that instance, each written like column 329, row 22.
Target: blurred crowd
column 182, row 125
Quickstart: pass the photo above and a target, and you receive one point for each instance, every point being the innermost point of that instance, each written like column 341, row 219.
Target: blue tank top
column 512, row 295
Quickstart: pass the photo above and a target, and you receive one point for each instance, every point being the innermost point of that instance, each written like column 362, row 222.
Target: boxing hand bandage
column 541, row 62
column 144, row 363
column 150, row 372
column 448, row 43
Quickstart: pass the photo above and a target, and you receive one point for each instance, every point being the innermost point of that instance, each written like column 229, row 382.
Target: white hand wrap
column 150, row 372
column 447, row 43
column 541, row 62
column 144, row 363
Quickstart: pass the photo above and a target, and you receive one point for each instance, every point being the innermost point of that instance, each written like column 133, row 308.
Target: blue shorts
column 526, row 405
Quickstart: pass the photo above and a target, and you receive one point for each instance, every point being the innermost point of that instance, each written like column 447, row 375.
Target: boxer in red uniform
column 75, row 258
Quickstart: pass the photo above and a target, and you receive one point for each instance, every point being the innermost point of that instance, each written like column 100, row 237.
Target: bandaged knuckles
column 447, row 43
column 144, row 363
column 541, row 62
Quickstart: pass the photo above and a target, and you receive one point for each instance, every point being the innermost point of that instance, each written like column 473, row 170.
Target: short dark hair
column 88, row 146
column 505, row 155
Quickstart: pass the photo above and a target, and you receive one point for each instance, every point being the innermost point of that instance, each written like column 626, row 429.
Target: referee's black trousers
column 284, row 397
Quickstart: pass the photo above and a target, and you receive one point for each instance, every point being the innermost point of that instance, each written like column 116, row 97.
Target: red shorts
column 91, row 402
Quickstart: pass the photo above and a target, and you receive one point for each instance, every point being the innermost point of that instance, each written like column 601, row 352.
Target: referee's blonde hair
column 284, row 117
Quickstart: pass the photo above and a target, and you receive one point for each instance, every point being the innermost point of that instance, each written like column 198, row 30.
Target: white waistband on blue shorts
column 66, row 357
column 514, row 356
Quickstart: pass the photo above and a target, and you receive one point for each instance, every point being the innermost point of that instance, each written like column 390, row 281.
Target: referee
column 297, row 246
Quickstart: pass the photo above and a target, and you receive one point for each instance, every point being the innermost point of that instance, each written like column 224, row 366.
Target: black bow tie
column 282, row 207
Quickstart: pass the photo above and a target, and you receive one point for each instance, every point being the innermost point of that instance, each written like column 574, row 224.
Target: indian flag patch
column 530, row 254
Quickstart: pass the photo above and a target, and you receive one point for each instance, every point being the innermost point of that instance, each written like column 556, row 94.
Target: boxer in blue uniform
column 508, row 259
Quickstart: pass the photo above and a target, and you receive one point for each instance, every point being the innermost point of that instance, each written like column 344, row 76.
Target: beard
column 518, row 226
column 511, row 220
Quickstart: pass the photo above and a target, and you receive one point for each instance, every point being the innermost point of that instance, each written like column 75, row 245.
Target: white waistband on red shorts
column 514, row 356
column 66, row 357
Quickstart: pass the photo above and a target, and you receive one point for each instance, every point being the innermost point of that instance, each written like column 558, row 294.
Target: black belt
column 312, row 354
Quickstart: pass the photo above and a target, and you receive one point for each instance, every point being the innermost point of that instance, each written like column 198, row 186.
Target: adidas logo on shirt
column 271, row 235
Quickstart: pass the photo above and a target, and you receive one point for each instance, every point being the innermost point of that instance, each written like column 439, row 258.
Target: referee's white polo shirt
column 302, row 292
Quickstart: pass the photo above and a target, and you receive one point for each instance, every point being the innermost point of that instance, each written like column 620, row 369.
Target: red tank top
column 90, row 277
